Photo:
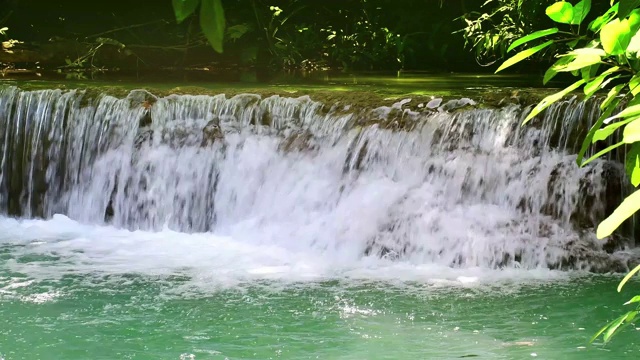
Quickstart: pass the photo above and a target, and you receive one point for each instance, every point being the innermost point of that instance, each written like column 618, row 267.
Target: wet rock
column 300, row 141
column 212, row 133
column 434, row 104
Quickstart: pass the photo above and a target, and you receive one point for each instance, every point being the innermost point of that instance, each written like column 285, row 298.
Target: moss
column 338, row 100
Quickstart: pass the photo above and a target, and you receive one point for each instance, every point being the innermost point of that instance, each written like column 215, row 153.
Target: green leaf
column 615, row 36
column 552, row 71
column 184, row 8
column 547, row 101
column 532, row 36
column 634, row 84
column 587, row 51
column 634, row 21
column 580, row 11
column 634, row 44
column 581, row 61
column 212, row 22
column 633, row 300
column 523, row 55
column 560, row 12
column 631, row 132
column 613, row 326
column 613, row 93
column 626, row 7
column 587, row 140
column 632, row 164
column 594, row 85
column 628, row 207
column 630, row 111
column 597, row 24
column 628, row 276
column 602, row 152
column 605, row 132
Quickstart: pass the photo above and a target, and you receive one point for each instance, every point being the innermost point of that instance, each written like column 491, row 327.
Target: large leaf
column 212, row 22
column 634, row 21
column 547, row 101
column 581, row 61
column 634, row 44
column 631, row 133
column 628, row 207
column 632, row 164
column 523, row 55
column 532, row 36
column 602, row 152
column 560, row 12
column 580, row 11
column 605, row 132
column 597, row 24
column 588, row 139
column 615, row 36
column 552, row 71
column 184, row 8
column 626, row 7
column 630, row 111
column 613, row 93
column 594, row 85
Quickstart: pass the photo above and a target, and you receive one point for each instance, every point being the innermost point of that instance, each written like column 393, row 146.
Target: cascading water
column 467, row 188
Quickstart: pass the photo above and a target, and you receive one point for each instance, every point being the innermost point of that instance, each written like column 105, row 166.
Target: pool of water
column 73, row 291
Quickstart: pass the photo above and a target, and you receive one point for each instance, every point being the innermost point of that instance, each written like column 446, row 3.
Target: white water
column 470, row 190
column 46, row 250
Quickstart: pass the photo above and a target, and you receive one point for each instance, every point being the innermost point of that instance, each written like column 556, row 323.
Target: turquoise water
column 66, row 293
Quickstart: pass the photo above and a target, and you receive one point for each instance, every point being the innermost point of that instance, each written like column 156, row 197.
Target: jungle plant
column 490, row 31
column 603, row 54
column 212, row 20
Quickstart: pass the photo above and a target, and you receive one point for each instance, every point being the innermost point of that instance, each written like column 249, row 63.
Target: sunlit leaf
column 626, row 209
column 588, row 139
column 613, row 327
column 631, row 132
column 183, row 8
column 606, row 131
column 581, row 61
column 560, row 12
column 629, row 111
column 594, row 85
column 547, row 101
column 523, row 55
column 580, row 11
column 597, row 24
column 632, row 164
column 626, row 7
column 602, row 152
column 613, row 93
column 629, row 275
column 552, row 70
column 615, row 36
column 634, row 44
column 634, row 21
column 212, row 22
column 532, row 36
column 587, row 51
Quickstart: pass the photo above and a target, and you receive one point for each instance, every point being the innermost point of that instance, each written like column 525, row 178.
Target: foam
column 61, row 246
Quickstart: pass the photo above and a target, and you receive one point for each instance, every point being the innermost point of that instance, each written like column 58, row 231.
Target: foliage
column 490, row 32
column 212, row 19
column 602, row 55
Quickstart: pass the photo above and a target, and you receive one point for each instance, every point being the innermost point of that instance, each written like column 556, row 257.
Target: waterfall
column 467, row 187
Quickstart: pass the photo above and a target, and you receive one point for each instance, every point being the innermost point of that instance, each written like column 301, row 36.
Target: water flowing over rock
column 464, row 188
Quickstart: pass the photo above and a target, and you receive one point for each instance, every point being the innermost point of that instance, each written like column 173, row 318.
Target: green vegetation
column 212, row 20
column 602, row 55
